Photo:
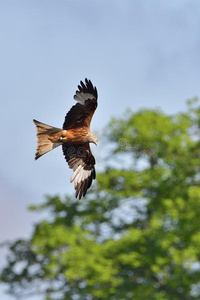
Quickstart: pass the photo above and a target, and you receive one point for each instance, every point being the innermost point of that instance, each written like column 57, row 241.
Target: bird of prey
column 74, row 137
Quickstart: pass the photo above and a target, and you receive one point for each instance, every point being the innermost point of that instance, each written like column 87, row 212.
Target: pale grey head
column 92, row 138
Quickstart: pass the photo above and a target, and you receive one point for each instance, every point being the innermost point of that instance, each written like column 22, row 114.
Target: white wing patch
column 81, row 97
column 75, row 173
column 80, row 175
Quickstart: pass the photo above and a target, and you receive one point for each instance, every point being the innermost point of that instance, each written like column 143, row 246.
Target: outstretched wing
column 81, row 160
column 80, row 115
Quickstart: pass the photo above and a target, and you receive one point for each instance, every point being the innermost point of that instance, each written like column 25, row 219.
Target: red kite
column 74, row 138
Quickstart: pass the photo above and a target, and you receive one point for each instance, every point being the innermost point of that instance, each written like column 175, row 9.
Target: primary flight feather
column 74, row 137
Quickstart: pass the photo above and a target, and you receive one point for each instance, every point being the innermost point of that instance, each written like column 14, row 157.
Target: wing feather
column 81, row 113
column 80, row 159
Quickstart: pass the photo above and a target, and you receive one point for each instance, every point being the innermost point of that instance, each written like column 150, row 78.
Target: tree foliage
column 137, row 234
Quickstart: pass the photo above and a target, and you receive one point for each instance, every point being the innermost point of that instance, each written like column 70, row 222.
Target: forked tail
column 44, row 144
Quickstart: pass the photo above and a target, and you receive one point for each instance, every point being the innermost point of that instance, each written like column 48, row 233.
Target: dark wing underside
column 81, row 160
column 80, row 115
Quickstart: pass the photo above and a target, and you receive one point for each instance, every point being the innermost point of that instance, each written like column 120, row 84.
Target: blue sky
column 139, row 54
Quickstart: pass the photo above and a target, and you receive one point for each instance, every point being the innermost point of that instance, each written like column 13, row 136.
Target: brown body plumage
column 74, row 138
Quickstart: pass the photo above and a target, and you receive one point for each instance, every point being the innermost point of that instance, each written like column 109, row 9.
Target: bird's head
column 93, row 138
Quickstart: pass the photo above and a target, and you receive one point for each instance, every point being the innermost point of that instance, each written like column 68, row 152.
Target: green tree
column 137, row 234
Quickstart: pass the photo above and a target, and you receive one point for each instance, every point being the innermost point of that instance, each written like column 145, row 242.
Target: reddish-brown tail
column 44, row 145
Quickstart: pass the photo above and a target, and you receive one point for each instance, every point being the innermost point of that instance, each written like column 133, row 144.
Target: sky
column 138, row 53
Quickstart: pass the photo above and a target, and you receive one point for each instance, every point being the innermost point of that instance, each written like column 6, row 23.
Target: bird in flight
column 74, row 137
